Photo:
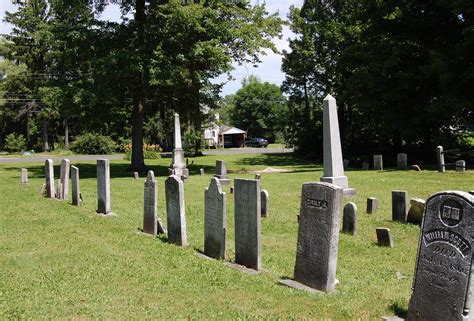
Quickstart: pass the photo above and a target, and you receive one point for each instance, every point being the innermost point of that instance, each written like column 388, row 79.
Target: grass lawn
column 61, row 261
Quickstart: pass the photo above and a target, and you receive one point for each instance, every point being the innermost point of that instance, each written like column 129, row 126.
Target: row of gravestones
column 460, row 164
column 402, row 162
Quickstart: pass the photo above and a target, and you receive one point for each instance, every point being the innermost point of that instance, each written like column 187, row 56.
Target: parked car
column 256, row 142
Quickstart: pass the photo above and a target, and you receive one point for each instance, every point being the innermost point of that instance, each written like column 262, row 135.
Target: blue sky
column 268, row 70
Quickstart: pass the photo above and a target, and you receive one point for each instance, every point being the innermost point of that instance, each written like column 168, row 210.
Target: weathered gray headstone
column 417, row 207
column 136, row 175
column 59, row 189
column 150, row 194
column 49, row 173
column 349, row 220
column 258, row 176
column 64, row 178
column 440, row 157
column 201, row 171
column 214, row 220
column 345, row 164
column 75, row 188
column 384, row 237
column 318, row 236
column 365, row 166
column 402, row 161
column 247, row 223
column 103, row 186
column 332, row 156
column 24, row 176
column 178, row 166
column 221, row 172
column 378, row 162
column 264, row 202
column 442, row 285
column 399, row 206
column 372, row 205
column 460, row 166
column 175, row 211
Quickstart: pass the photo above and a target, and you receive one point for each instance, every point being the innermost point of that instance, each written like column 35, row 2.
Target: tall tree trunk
column 45, row 136
column 138, row 163
column 66, row 133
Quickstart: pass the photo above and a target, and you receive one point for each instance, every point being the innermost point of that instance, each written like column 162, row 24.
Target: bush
column 15, row 143
column 92, row 143
column 150, row 151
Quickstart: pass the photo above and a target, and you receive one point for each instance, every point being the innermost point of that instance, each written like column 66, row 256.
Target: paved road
column 228, row 151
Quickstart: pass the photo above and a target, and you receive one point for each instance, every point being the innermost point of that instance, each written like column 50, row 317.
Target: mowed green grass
column 62, row 261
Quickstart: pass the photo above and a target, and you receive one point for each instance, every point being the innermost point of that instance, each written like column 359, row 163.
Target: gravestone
column 440, row 157
column 49, row 173
column 415, row 214
column 349, row 219
column 175, row 211
column 365, row 166
column 332, row 156
column 150, row 195
column 399, row 206
column 372, row 205
column 178, row 166
column 201, row 171
column 345, row 164
column 247, row 223
column 64, row 179
column 264, row 202
column 103, row 186
column 442, row 285
column 258, row 176
column 75, row 189
column 214, row 220
column 384, row 237
column 378, row 162
column 221, row 172
column 460, row 166
column 136, row 175
column 402, row 161
column 318, row 236
column 59, row 189
column 24, row 176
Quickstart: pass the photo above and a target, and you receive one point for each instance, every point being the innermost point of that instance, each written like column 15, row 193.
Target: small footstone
column 264, row 202
column 384, row 237
column 349, row 222
column 372, row 205
column 201, row 171
column 460, row 166
column 24, row 176
column 415, row 214
column 399, row 206
column 43, row 190
column 258, row 176
column 135, row 175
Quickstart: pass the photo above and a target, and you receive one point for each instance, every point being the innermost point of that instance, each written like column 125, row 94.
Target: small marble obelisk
column 178, row 167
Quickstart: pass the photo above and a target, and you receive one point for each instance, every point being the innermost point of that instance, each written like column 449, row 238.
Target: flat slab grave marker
column 349, row 219
column 49, row 174
column 75, row 188
column 248, row 223
column 442, row 286
column 214, row 220
column 399, row 206
column 103, row 186
column 318, row 237
column 64, row 179
column 264, row 197
column 24, row 176
column 175, row 211
column 221, row 172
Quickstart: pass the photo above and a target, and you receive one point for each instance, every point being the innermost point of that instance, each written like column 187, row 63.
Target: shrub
column 92, row 143
column 150, row 151
column 15, row 143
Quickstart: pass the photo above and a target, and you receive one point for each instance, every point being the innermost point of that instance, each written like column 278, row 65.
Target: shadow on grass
column 87, row 170
column 399, row 310
column 282, row 159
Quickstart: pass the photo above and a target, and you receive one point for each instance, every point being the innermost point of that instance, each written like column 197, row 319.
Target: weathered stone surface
column 136, row 175
column 75, row 188
column 214, row 220
column 64, row 178
column 332, row 152
column 49, row 173
column 417, row 208
column 264, row 197
column 442, row 285
column 402, row 161
column 399, row 206
column 201, row 171
column 440, row 157
column 150, row 208
column 365, row 166
column 378, row 162
column 318, row 236
column 103, row 186
column 247, row 223
column 372, row 205
column 460, row 166
column 349, row 220
column 221, row 172
column 174, row 188
column 178, row 166
column 384, row 237
column 24, row 176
